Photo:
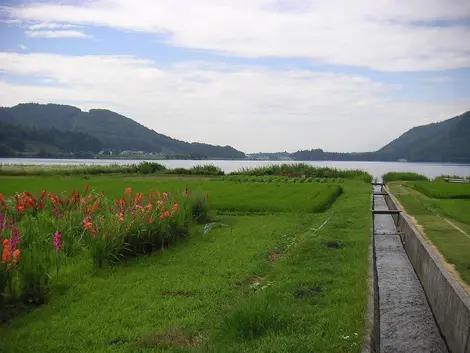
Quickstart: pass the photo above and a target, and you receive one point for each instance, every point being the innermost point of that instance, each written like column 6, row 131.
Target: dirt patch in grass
column 254, row 279
column 274, row 255
column 171, row 337
column 306, row 292
column 333, row 245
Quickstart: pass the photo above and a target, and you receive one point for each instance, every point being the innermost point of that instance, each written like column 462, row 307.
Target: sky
column 259, row 75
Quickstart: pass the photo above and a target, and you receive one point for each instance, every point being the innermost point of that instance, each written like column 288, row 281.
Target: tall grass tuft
column 253, row 319
column 67, row 170
column 209, row 170
column 403, row 176
column 305, row 170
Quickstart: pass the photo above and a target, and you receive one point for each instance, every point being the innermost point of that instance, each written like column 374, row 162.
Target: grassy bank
column 286, row 282
column 143, row 168
column 292, row 171
column 446, row 220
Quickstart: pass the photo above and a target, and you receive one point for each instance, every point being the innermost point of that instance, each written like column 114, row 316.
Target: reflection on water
column 377, row 169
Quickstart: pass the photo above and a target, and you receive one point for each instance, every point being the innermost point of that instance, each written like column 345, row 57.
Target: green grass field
column 267, row 283
column 443, row 190
column 435, row 214
column 227, row 196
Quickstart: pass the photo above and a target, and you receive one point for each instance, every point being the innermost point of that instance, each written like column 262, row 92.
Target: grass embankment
column 443, row 210
column 272, row 283
column 303, row 170
column 147, row 168
column 403, row 176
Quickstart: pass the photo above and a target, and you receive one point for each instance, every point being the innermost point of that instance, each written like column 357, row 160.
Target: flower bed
column 38, row 234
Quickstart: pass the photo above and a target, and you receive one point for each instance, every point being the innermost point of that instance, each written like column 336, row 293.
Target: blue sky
column 260, row 75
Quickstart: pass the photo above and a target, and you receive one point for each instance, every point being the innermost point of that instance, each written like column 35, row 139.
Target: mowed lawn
column 440, row 217
column 285, row 282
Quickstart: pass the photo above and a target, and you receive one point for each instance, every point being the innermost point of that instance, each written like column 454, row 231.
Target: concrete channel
column 403, row 316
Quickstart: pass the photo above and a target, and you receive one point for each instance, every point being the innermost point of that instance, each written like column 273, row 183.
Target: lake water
column 376, row 169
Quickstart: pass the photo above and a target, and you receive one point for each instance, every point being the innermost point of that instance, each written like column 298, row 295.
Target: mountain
column 31, row 141
column 446, row 141
column 115, row 132
column 62, row 130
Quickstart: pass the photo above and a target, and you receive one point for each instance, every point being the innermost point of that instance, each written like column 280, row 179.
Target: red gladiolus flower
column 16, row 256
column 128, row 191
column 20, row 208
column 87, row 188
column 6, row 255
column 165, row 196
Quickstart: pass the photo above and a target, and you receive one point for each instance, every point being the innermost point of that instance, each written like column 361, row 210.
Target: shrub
column 403, row 176
column 206, row 170
column 180, row 171
column 150, row 168
column 304, row 169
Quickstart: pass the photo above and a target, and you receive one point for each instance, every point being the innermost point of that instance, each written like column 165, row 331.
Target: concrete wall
column 449, row 303
column 371, row 337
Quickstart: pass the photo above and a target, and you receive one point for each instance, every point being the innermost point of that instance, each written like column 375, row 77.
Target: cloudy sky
column 260, row 75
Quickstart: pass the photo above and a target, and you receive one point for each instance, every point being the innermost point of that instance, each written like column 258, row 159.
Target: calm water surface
column 377, row 169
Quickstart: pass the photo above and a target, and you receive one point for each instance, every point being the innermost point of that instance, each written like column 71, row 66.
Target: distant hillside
column 447, row 141
column 115, row 132
column 33, row 142
column 47, row 130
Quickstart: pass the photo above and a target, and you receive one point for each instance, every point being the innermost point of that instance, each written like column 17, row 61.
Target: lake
column 376, row 169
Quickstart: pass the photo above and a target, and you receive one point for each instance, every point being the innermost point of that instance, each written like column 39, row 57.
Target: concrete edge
column 449, row 302
column 370, row 341
column 436, row 257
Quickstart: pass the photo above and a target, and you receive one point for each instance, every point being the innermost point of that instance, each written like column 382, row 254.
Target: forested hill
column 115, row 132
column 446, row 141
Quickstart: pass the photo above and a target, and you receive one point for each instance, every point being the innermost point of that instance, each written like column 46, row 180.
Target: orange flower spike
column 16, row 256
column 128, row 191
column 90, row 198
column 162, row 216
column 87, row 188
column 20, row 208
column 167, row 214
column 149, row 207
column 6, row 251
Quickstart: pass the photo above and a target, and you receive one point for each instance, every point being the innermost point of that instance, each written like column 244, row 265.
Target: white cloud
column 57, row 34
column 249, row 107
column 50, row 25
column 22, row 46
column 385, row 35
